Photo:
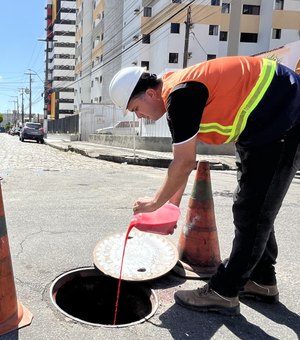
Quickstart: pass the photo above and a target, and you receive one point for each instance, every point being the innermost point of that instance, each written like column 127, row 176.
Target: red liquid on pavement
column 131, row 225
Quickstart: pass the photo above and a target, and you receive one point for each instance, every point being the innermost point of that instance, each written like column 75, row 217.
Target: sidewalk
column 130, row 156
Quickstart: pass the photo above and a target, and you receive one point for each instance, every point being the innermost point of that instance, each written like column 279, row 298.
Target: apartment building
column 173, row 34
column 98, row 49
column 60, row 57
column 88, row 41
column 170, row 34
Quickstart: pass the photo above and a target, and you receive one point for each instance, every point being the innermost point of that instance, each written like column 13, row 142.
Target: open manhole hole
column 89, row 296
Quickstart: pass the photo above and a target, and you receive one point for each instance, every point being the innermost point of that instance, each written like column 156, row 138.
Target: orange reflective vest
column 235, row 87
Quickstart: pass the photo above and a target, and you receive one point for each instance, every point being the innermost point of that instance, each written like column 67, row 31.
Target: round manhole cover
column 147, row 256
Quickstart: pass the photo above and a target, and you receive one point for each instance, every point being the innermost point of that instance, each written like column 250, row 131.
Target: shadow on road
column 186, row 324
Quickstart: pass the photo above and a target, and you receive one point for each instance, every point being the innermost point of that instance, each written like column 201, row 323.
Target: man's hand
column 145, row 204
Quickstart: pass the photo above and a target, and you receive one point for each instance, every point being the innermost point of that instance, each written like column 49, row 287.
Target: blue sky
column 21, row 24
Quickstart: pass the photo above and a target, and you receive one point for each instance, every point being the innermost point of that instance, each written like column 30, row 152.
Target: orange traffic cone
column 13, row 314
column 198, row 245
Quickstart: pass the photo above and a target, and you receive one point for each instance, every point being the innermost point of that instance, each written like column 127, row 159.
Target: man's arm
column 185, row 106
column 176, row 198
column 175, row 181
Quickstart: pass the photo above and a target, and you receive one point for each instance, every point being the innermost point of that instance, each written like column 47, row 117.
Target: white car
column 125, row 127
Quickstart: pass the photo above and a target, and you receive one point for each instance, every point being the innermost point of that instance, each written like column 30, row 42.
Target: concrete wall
column 162, row 144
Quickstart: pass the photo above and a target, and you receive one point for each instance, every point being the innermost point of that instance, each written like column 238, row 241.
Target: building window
column 173, row 58
column 223, row 35
column 66, row 22
column 145, row 64
column 146, row 39
column 176, row 1
column 64, row 78
column 249, row 37
column 147, row 11
column 251, row 9
column 211, row 56
column 65, row 33
column 64, row 67
column 175, row 28
column 64, row 44
column 279, row 4
column 65, row 100
column 276, row 34
column 225, row 8
column 213, row 30
column 149, row 121
column 215, row 2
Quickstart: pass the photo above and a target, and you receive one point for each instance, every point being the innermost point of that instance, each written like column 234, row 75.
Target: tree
column 1, row 118
column 8, row 126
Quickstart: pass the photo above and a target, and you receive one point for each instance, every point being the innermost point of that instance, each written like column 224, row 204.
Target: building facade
column 60, row 58
column 174, row 34
column 98, row 49
column 93, row 39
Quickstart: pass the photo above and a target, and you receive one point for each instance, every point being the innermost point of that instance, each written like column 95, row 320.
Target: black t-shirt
column 185, row 106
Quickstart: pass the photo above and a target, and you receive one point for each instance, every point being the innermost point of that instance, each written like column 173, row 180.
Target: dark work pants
column 264, row 176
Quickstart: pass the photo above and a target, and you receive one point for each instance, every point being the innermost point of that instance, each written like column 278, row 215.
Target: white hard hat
column 123, row 84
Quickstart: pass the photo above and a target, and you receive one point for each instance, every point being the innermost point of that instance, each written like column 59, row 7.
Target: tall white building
column 99, row 26
column 60, row 57
column 171, row 34
column 162, row 33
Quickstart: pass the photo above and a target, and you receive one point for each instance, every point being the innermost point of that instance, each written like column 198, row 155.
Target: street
column 58, row 205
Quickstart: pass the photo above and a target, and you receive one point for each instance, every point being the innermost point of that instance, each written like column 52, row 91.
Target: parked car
column 2, row 129
column 15, row 131
column 33, row 131
column 125, row 127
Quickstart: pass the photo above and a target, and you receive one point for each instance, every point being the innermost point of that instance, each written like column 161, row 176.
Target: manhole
column 88, row 296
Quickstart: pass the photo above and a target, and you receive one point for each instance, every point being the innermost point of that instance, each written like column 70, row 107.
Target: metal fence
column 69, row 124
column 97, row 116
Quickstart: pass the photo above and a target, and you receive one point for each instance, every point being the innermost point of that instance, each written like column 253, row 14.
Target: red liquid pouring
column 162, row 221
column 131, row 225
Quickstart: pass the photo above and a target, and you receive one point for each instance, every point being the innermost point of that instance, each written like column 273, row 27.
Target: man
column 254, row 102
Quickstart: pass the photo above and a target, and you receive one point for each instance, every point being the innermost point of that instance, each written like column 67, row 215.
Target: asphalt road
column 59, row 205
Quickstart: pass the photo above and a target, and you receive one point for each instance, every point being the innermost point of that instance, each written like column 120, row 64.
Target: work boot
column 207, row 300
column 265, row 293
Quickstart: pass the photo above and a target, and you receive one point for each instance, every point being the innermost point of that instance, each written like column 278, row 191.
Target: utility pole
column 17, row 118
column 16, row 109
column 46, row 93
column 22, row 105
column 187, row 35
column 30, row 101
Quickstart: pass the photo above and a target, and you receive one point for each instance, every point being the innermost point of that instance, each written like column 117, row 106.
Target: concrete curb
column 120, row 156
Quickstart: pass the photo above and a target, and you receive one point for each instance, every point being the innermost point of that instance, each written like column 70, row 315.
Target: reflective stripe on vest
column 258, row 91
